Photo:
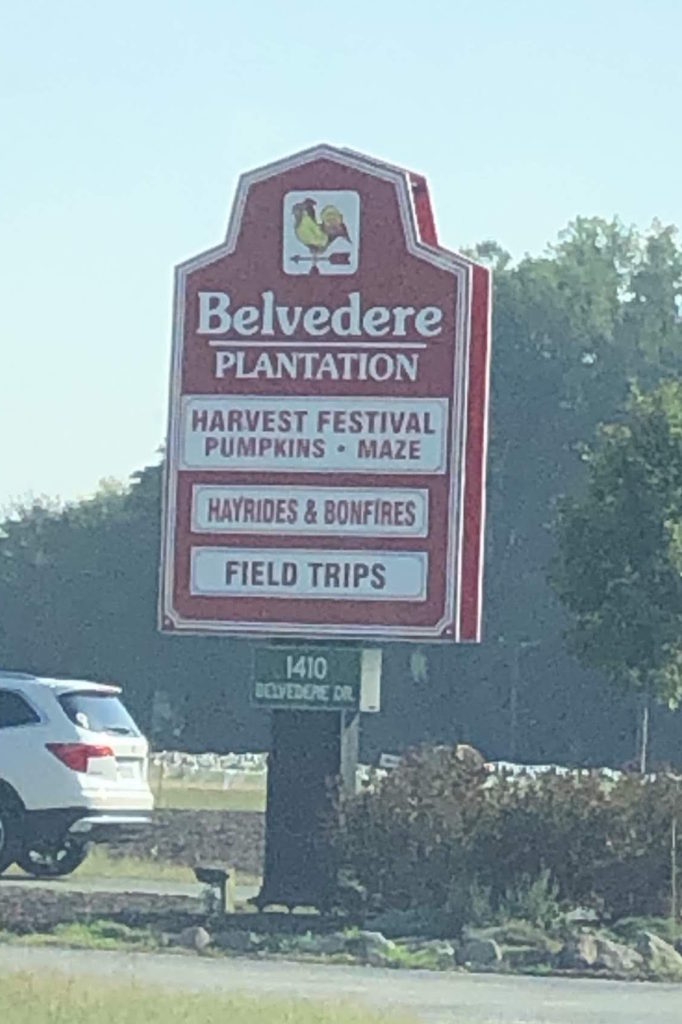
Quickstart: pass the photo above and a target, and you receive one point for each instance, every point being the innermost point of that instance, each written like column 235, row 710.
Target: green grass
column 39, row 999
column 107, row 935
column 100, row 865
column 202, row 798
column 245, row 794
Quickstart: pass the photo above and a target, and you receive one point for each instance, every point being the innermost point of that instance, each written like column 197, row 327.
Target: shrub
column 531, row 899
column 438, row 832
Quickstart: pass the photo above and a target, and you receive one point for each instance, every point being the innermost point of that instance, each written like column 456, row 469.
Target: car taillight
column 77, row 755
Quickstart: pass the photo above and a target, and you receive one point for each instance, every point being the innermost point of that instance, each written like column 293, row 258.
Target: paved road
column 428, row 997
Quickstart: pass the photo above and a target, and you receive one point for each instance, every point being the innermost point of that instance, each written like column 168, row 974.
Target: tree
column 572, row 327
column 619, row 565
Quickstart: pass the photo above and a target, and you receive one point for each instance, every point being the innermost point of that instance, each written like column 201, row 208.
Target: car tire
column 10, row 834
column 56, row 862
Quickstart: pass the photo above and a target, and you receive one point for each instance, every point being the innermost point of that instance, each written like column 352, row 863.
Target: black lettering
column 378, row 581
column 360, row 573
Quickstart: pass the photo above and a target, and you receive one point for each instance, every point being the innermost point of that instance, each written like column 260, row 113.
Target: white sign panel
column 310, row 511
column 293, row 573
column 309, row 435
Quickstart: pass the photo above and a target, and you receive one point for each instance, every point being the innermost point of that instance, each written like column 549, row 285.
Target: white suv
column 73, row 770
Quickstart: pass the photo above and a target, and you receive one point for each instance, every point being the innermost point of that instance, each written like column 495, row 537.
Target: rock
column 194, row 938
column 579, row 953
column 581, row 915
column 661, row 958
column 332, row 944
column 617, row 959
column 431, row 952
column 479, row 952
column 320, row 945
column 597, row 953
column 441, row 947
column 520, row 957
column 373, row 947
column 237, row 941
column 469, row 756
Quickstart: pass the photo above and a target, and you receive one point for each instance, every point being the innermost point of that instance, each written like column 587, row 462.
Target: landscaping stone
column 588, row 951
column 237, row 941
column 579, row 953
column 372, row 947
column 617, row 959
column 441, row 947
column 479, row 952
column 581, row 915
column 331, row 945
column 519, row 934
column 318, row 945
column 662, row 959
column 437, row 954
column 522, row 957
column 194, row 938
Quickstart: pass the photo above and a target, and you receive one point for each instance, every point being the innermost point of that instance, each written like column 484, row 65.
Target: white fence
column 250, row 770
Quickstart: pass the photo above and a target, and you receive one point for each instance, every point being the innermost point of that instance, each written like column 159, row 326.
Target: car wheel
column 53, row 861
column 10, row 835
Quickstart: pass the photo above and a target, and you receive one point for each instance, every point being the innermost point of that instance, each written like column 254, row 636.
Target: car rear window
column 98, row 712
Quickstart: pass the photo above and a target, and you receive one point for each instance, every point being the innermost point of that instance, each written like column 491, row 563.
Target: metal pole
column 673, row 875
column 514, row 702
column 644, row 750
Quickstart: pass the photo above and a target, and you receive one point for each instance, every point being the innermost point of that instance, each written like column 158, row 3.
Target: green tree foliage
column 78, row 593
column 572, row 328
column 620, row 551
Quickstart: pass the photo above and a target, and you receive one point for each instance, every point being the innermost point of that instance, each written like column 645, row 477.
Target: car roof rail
column 10, row 674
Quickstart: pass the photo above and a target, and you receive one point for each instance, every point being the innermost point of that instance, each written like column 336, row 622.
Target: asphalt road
column 429, row 998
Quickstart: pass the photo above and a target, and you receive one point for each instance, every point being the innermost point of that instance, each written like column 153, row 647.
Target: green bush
column 535, row 900
column 441, row 833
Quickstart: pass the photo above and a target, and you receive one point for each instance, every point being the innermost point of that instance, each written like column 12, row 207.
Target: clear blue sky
column 125, row 125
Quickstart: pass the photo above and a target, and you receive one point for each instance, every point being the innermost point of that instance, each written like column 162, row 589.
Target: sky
column 124, row 127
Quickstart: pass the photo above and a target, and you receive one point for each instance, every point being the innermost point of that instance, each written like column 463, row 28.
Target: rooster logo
column 321, row 243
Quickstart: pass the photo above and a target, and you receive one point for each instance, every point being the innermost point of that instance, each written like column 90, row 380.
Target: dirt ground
column 234, row 838
column 24, row 910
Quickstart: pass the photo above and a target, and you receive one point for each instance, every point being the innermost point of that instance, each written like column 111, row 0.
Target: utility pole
column 518, row 648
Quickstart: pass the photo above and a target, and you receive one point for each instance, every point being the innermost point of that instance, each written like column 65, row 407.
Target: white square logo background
column 341, row 254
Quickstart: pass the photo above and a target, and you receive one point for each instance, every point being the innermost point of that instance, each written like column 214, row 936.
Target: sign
column 309, row 678
column 328, row 406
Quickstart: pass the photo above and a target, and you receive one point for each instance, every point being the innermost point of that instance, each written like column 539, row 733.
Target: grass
column 175, row 794
column 204, row 798
column 106, row 935
column 100, row 865
column 40, row 999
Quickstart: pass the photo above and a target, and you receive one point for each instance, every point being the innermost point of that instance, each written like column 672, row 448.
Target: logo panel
column 321, row 232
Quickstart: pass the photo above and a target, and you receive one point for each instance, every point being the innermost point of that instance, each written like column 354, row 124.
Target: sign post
column 325, row 472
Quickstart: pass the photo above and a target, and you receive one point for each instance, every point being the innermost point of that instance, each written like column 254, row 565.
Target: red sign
column 328, row 408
